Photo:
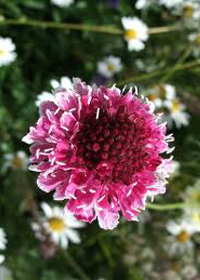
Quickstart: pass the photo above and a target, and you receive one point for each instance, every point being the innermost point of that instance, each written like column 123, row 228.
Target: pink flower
column 101, row 151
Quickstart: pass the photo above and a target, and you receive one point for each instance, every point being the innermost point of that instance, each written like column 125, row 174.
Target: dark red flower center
column 117, row 140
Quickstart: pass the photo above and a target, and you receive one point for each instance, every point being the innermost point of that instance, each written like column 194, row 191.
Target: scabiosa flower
column 60, row 227
column 3, row 242
column 101, row 151
column 18, row 160
column 65, row 82
column 7, row 51
column 62, row 3
column 109, row 66
column 136, row 33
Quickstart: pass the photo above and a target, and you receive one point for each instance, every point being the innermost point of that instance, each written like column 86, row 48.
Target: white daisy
column 62, row 3
column 136, row 33
column 180, row 240
column 177, row 113
column 3, row 242
column 176, row 168
column 7, row 51
column 44, row 96
column 5, row 273
column 170, row 3
column 61, row 226
column 65, row 82
column 192, row 196
column 18, row 160
column 159, row 94
column 109, row 66
column 195, row 39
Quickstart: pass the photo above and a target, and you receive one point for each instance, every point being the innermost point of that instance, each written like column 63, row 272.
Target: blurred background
column 151, row 44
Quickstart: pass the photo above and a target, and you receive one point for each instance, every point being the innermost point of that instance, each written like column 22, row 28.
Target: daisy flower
column 180, row 241
column 192, row 196
column 136, row 33
column 60, row 226
column 65, row 82
column 7, row 51
column 62, row 3
column 18, row 160
column 170, row 3
column 101, row 151
column 109, row 66
column 159, row 94
column 176, row 113
column 195, row 39
column 3, row 242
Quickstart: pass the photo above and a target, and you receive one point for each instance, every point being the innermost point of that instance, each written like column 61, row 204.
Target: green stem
column 171, row 206
column 180, row 61
column 76, row 268
column 156, row 73
column 81, row 27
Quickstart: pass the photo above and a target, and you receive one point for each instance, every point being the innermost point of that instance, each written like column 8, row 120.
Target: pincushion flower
column 136, row 33
column 7, row 51
column 109, row 66
column 101, row 151
column 62, row 3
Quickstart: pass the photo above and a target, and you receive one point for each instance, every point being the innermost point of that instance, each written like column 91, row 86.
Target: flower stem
column 159, row 72
column 76, row 268
column 81, row 27
column 171, row 206
column 179, row 62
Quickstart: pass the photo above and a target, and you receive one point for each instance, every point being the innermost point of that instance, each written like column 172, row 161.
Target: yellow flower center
column 152, row 97
column 175, row 106
column 1, row 52
column 17, row 162
column 131, row 34
column 56, row 224
column 183, row 236
column 197, row 40
column 188, row 11
column 111, row 66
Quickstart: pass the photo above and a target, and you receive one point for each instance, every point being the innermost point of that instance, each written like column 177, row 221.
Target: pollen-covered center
column 56, row 224
column 116, row 140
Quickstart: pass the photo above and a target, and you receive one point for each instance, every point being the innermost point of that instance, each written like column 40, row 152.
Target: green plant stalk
column 76, row 268
column 171, row 206
column 180, row 61
column 80, row 27
column 147, row 76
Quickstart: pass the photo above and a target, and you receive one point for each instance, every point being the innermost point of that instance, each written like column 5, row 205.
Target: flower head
column 60, row 227
column 18, row 160
column 7, row 51
column 136, row 33
column 62, row 3
column 109, row 66
column 101, row 151
column 3, row 242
